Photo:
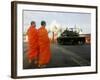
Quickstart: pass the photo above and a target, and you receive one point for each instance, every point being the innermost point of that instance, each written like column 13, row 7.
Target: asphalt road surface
column 64, row 56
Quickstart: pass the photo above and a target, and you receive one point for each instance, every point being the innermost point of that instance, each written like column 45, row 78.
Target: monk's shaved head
column 43, row 23
column 33, row 23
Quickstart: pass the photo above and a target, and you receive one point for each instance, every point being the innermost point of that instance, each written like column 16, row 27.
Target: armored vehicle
column 71, row 37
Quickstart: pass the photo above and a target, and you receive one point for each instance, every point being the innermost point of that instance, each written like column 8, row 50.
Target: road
column 64, row 56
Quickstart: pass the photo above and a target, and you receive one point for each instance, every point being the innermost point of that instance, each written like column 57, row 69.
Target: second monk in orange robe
column 32, row 42
column 44, row 46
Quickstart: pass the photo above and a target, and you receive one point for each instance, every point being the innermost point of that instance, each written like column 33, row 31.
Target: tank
column 71, row 37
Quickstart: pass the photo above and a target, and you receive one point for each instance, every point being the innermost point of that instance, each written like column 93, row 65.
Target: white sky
column 68, row 19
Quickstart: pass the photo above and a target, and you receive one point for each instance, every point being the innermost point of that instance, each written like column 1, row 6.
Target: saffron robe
column 32, row 43
column 44, row 46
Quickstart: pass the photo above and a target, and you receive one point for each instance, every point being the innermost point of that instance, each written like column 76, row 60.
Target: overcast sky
column 69, row 19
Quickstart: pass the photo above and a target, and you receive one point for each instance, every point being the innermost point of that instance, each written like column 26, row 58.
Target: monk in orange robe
column 44, row 46
column 32, row 42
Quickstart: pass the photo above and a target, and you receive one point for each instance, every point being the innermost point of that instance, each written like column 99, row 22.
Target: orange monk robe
column 44, row 46
column 32, row 43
